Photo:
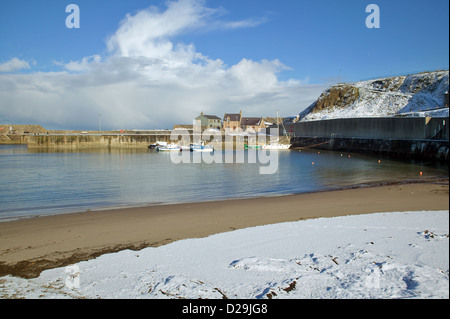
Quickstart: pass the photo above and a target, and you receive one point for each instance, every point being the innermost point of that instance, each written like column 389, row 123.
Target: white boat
column 185, row 148
column 157, row 144
column 169, row 148
column 276, row 146
column 201, row 148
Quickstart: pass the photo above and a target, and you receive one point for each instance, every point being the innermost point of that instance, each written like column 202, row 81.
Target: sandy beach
column 29, row 246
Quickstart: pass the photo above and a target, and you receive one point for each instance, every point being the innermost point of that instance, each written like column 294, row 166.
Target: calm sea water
column 36, row 183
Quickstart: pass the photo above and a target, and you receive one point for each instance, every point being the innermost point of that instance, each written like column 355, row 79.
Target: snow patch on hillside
column 413, row 95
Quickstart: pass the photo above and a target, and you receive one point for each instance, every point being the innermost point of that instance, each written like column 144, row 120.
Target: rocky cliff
column 419, row 94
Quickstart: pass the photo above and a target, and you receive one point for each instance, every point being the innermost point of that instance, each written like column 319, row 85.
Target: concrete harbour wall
column 426, row 150
column 375, row 128
column 80, row 141
column 94, row 141
column 410, row 138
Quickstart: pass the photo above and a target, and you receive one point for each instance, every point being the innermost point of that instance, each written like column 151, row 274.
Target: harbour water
column 37, row 182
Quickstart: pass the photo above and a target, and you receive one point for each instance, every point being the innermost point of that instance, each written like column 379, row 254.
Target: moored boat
column 157, row 144
column 252, row 147
column 276, row 146
column 201, row 148
column 169, row 148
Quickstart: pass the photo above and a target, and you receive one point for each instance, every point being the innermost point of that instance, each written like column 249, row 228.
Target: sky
column 139, row 64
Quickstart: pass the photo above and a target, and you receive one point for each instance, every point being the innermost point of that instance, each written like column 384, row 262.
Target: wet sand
column 29, row 246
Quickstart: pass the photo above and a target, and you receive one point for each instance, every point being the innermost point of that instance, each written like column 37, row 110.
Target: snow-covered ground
column 384, row 255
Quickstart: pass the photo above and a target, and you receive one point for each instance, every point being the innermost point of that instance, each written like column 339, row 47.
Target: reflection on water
column 40, row 182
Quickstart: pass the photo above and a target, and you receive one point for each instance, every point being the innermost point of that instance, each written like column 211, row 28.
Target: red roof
column 233, row 117
column 251, row 121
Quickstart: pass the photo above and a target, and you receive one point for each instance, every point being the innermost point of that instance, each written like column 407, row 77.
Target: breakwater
column 133, row 140
column 96, row 140
column 13, row 139
column 426, row 150
column 410, row 138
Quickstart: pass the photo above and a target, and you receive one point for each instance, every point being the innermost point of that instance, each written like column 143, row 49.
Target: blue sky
column 297, row 47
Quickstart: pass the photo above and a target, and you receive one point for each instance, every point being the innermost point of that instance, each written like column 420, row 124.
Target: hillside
column 419, row 94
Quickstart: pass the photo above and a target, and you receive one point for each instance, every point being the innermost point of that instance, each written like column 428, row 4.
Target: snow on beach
column 384, row 255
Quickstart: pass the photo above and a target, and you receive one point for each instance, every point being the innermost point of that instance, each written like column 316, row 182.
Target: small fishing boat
column 252, row 147
column 276, row 146
column 157, row 144
column 169, row 148
column 185, row 148
column 201, row 148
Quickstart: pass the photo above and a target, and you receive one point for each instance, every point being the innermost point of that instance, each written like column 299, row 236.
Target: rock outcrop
column 419, row 94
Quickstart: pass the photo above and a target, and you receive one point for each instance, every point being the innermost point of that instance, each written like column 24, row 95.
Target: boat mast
column 278, row 125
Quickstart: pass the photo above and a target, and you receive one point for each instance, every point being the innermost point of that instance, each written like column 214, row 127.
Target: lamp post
column 100, row 123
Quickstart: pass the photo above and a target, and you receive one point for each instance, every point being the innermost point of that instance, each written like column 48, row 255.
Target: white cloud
column 150, row 81
column 84, row 65
column 14, row 65
column 257, row 76
column 248, row 23
column 147, row 32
